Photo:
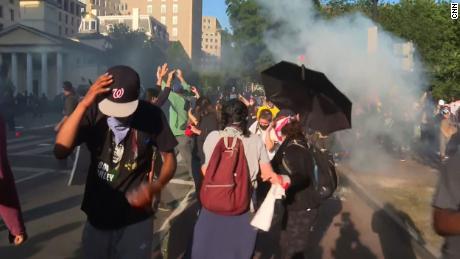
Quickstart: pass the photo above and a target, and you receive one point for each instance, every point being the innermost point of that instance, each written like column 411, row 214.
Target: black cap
column 67, row 86
column 124, row 98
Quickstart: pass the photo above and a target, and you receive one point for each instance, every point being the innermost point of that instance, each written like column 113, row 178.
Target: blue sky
column 216, row 8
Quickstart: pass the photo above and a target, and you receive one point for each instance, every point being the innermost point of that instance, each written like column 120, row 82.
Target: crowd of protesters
column 420, row 131
column 135, row 141
column 14, row 103
column 133, row 146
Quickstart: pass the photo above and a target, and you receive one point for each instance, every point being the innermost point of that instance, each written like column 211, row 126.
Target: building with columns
column 9, row 13
column 39, row 62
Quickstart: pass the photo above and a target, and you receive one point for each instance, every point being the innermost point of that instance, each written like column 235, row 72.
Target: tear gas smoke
column 338, row 47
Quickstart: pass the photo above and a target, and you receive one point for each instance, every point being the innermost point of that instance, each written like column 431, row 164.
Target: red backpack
column 226, row 185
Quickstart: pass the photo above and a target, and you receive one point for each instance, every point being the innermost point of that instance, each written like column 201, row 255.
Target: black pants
column 296, row 233
column 289, row 234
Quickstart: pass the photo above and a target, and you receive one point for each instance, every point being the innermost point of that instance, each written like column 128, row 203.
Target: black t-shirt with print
column 115, row 169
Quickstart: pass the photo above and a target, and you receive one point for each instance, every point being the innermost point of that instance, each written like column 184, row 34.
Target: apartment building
column 146, row 23
column 211, row 42
column 181, row 17
column 9, row 13
column 105, row 7
column 57, row 17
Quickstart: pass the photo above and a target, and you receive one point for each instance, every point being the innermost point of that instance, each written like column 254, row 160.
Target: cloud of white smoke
column 339, row 48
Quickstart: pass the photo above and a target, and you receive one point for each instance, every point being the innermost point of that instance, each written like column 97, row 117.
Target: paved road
column 348, row 228
column 52, row 209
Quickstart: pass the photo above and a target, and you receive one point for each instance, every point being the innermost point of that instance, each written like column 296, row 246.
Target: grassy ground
column 406, row 188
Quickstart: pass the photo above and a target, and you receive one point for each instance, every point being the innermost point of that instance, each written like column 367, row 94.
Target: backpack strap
column 283, row 160
column 233, row 133
column 233, row 143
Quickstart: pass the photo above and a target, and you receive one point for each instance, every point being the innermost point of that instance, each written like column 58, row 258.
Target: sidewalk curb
column 23, row 129
column 424, row 250
column 42, row 127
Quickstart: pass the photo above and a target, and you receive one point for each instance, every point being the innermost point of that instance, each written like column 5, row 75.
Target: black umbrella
column 310, row 93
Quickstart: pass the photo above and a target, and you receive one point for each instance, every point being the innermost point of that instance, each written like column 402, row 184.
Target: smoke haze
column 338, row 47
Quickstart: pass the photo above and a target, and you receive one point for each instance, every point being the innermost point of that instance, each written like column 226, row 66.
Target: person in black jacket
column 298, row 211
column 158, row 96
column 204, row 120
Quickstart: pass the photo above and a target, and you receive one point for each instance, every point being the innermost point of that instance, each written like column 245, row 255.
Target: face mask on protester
column 119, row 127
column 263, row 127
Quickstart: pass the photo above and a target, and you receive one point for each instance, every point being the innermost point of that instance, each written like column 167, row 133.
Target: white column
column 44, row 86
column 29, row 73
column 59, row 73
column 14, row 69
column 135, row 18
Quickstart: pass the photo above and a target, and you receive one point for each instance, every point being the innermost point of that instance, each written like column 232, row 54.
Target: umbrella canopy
column 310, row 93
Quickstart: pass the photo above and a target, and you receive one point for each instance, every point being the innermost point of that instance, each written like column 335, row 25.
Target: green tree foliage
column 426, row 23
column 436, row 36
column 249, row 23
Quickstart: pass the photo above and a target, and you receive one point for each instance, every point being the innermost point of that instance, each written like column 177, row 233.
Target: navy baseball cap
column 123, row 100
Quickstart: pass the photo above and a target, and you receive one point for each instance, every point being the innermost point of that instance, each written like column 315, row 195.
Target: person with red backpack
column 232, row 161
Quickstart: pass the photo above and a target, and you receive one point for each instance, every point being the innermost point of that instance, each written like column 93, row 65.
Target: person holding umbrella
column 320, row 105
column 299, row 210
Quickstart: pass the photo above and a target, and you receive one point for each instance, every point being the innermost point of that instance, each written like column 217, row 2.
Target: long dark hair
column 203, row 107
column 235, row 113
column 293, row 130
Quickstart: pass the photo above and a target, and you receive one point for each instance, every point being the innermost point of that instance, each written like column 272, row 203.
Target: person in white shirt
column 262, row 127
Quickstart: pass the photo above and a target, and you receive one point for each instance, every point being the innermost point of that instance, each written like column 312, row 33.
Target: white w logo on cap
column 118, row 93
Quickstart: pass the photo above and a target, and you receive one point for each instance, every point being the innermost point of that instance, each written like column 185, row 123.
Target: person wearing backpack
column 232, row 161
column 299, row 210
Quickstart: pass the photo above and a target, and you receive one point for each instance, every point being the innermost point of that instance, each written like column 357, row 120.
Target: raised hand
column 162, row 71
column 180, row 75
column 158, row 72
column 195, row 91
column 170, row 78
column 99, row 87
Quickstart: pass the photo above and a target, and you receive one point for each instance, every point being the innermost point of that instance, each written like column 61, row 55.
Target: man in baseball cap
column 124, row 97
column 121, row 133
